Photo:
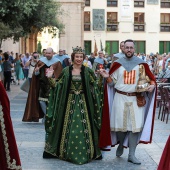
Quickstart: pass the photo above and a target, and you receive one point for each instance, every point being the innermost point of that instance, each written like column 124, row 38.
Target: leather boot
column 120, row 137
column 133, row 137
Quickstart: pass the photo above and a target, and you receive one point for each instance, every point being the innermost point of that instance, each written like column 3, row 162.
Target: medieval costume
column 39, row 89
column 73, row 118
column 119, row 55
column 121, row 112
column 98, row 63
column 9, row 156
column 64, row 59
column 165, row 158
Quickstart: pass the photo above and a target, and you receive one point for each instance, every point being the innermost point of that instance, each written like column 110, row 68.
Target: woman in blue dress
column 18, row 68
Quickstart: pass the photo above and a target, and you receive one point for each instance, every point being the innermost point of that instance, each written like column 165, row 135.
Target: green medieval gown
column 73, row 118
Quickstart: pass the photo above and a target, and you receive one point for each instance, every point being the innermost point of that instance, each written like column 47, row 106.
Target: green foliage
column 29, row 16
column 4, row 30
column 39, row 47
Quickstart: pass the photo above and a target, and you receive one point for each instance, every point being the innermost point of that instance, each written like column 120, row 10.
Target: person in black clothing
column 7, row 65
column 92, row 58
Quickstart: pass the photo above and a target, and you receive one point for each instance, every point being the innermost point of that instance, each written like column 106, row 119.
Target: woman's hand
column 103, row 73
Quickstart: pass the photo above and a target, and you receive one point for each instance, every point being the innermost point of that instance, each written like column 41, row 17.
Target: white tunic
column 125, row 114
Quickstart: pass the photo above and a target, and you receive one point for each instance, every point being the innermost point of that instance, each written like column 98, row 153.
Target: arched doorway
column 73, row 33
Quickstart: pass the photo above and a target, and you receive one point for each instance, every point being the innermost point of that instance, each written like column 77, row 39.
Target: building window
column 165, row 22
column 112, row 47
column 165, row 4
column 139, row 3
column 112, row 3
column 138, row 17
column 112, row 23
column 139, row 24
column 87, row 24
column 165, row 28
column 140, row 46
column 87, row 2
column 165, row 18
column 87, row 45
column 164, row 47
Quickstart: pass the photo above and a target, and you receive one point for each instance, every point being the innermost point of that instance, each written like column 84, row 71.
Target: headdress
column 78, row 50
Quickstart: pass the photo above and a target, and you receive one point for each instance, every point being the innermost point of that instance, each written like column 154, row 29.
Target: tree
column 7, row 32
column 4, row 32
column 22, row 17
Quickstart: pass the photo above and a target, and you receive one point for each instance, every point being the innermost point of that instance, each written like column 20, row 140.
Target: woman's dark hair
column 6, row 56
column 73, row 54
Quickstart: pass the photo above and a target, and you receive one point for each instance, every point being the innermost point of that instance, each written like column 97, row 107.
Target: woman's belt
column 126, row 93
column 76, row 92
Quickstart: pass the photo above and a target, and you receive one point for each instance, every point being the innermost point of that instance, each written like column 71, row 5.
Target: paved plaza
column 30, row 140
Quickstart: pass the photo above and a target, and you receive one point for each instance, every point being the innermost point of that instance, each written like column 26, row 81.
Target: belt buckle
column 127, row 93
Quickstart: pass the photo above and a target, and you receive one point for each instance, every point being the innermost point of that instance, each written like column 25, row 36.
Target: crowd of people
column 89, row 104
column 17, row 67
column 14, row 68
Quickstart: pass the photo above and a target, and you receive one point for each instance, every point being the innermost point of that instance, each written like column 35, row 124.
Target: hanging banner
column 126, row 10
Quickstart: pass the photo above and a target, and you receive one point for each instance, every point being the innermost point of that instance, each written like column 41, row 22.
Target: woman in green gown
column 73, row 116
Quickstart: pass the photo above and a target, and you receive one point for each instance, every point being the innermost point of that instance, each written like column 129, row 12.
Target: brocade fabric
column 73, row 117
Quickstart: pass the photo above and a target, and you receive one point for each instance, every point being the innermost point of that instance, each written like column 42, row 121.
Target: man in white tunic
column 127, row 119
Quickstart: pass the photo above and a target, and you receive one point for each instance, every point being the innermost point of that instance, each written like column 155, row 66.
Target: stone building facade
column 73, row 17
column 72, row 35
column 108, row 22
column 145, row 21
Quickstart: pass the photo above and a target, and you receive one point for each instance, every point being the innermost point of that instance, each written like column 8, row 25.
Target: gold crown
column 78, row 50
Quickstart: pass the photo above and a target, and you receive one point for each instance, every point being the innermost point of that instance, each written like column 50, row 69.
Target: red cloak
column 105, row 132
column 164, row 163
column 9, row 156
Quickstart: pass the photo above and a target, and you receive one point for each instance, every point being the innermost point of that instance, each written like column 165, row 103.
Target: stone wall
column 72, row 18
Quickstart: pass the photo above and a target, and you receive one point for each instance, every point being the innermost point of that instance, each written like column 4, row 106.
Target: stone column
column 72, row 18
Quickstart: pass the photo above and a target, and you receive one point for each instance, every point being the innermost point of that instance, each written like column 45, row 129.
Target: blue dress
column 18, row 70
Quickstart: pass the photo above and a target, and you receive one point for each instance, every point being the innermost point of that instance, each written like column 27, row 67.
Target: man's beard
column 129, row 56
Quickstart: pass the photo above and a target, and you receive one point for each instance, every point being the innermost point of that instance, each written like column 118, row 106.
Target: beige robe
column 125, row 114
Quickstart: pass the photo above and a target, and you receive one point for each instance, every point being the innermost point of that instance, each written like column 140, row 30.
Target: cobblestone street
column 30, row 140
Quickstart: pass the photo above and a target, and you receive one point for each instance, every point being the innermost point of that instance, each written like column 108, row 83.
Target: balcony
column 87, row 2
column 112, row 3
column 139, row 26
column 165, row 3
column 165, row 27
column 165, row 24
column 112, row 26
column 87, row 26
column 139, row 3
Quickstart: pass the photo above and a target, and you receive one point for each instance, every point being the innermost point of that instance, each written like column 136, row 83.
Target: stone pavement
column 30, row 140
